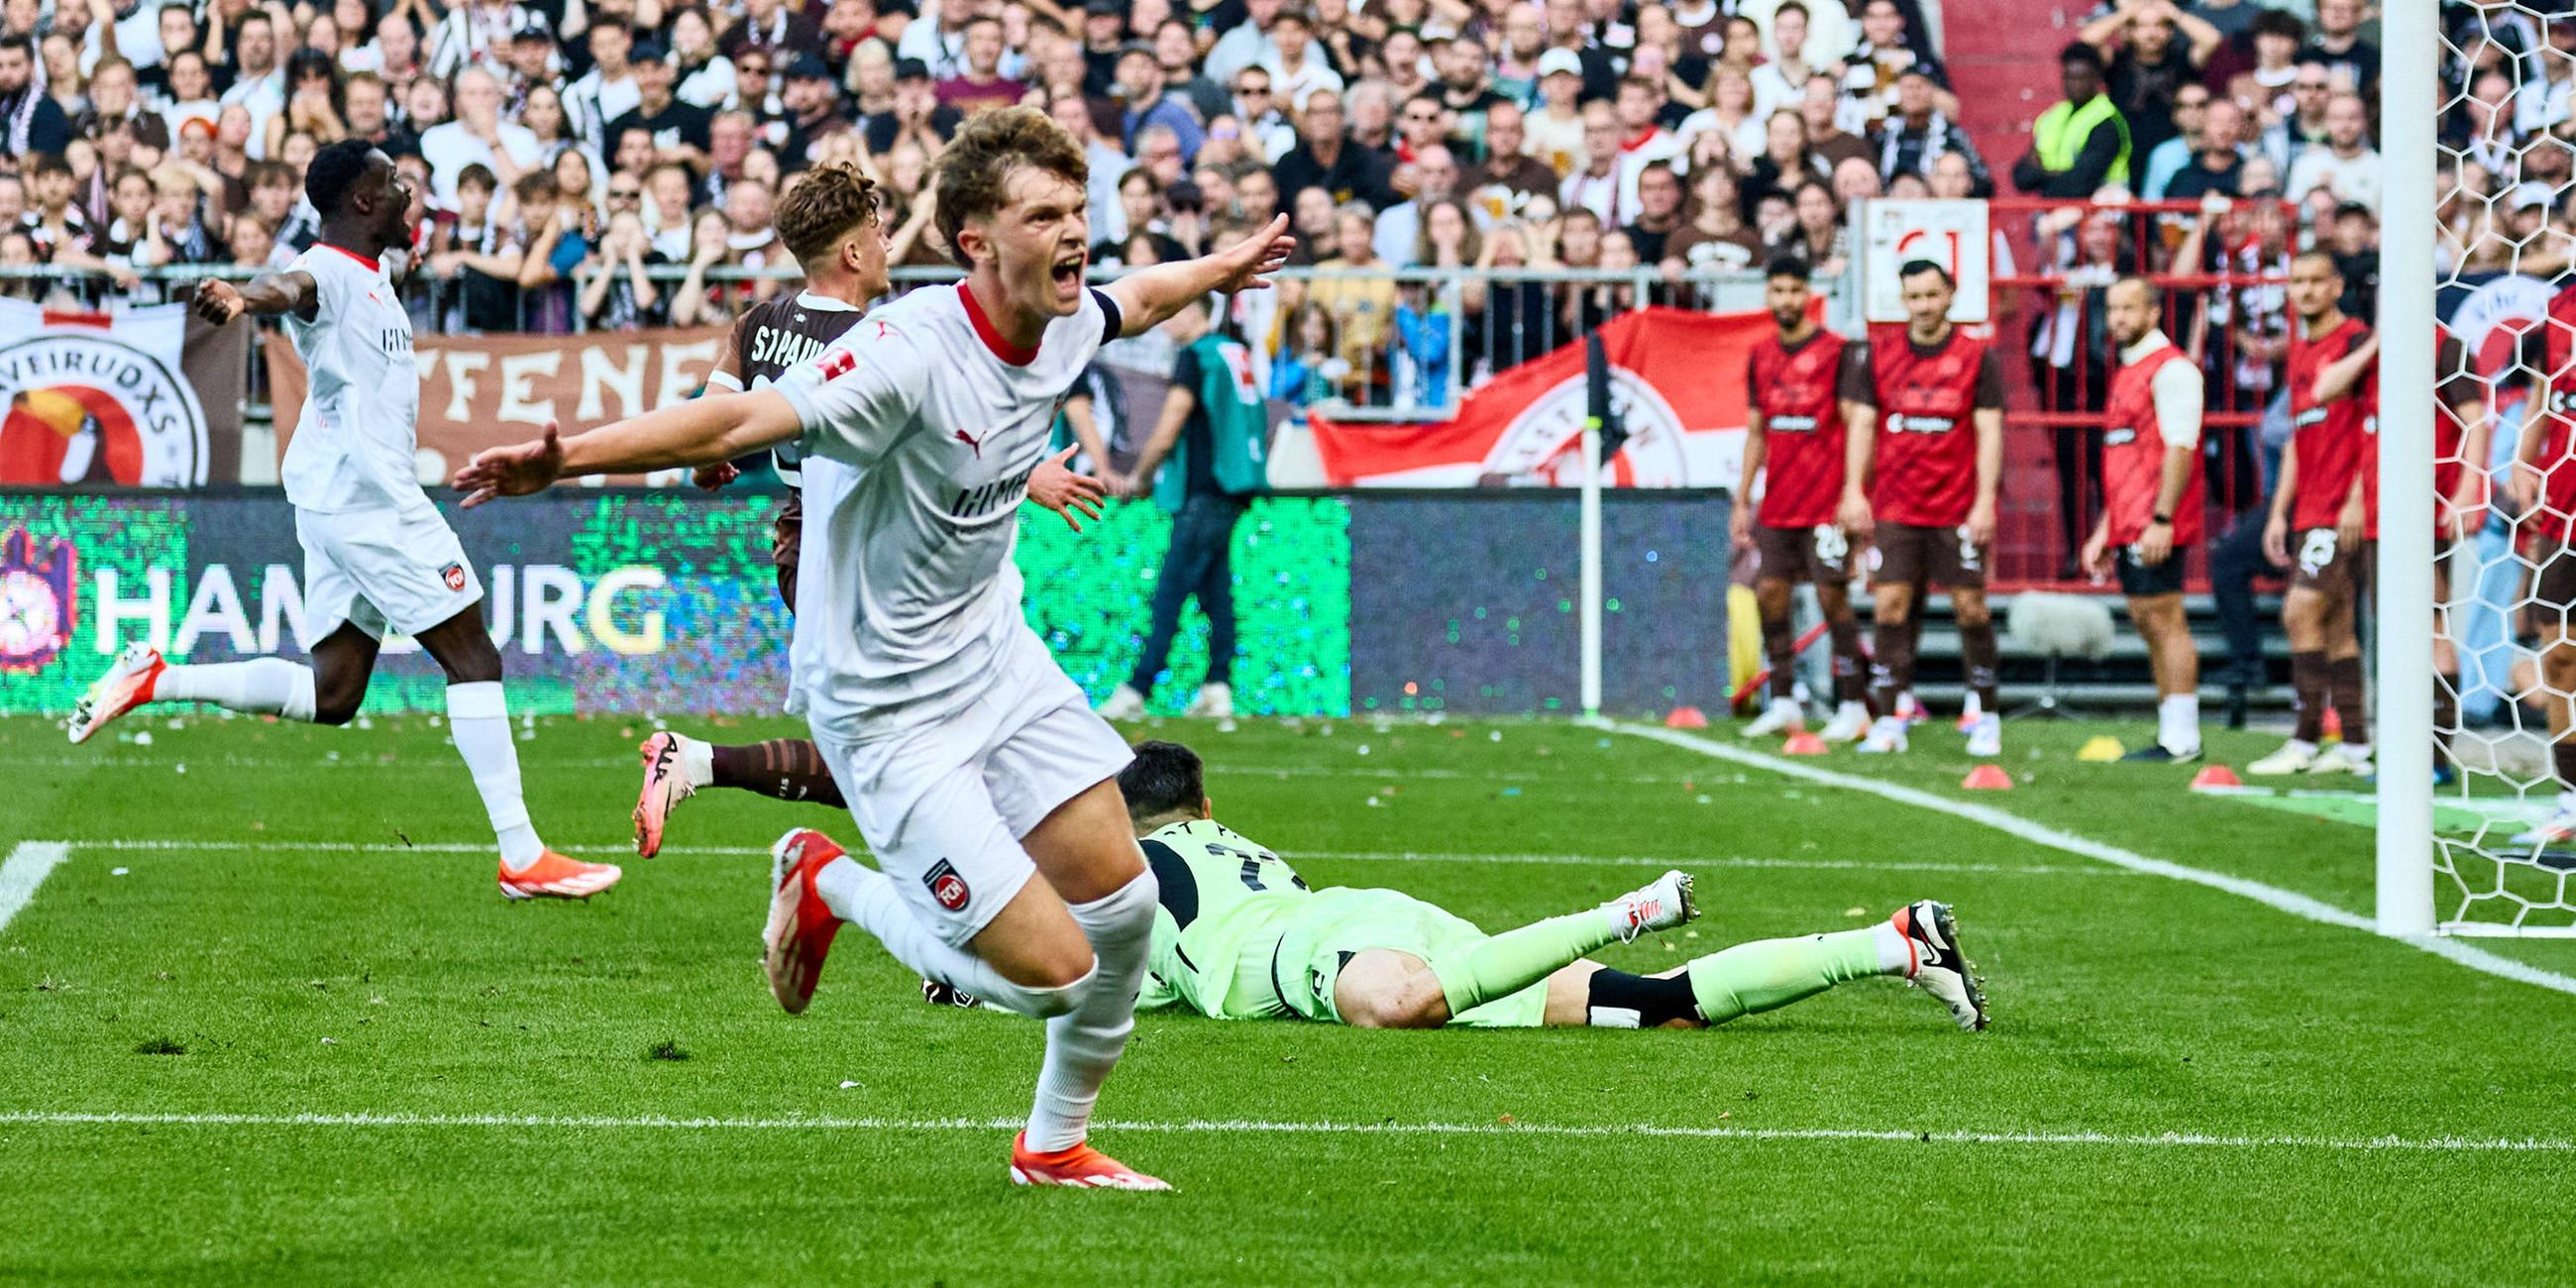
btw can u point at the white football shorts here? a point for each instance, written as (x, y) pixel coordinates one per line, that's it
(373, 568)
(943, 804)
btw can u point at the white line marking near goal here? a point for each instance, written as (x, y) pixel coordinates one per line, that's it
(1338, 856)
(24, 870)
(2158, 1140)
(2270, 896)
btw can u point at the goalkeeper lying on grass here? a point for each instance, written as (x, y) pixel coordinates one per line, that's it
(1240, 936)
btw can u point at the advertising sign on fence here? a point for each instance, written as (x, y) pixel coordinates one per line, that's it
(137, 397)
(1953, 234)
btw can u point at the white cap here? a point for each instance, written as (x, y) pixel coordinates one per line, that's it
(1559, 60)
(2527, 195)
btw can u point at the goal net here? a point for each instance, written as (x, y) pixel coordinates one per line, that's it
(2478, 469)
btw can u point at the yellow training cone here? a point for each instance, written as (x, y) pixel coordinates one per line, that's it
(2102, 747)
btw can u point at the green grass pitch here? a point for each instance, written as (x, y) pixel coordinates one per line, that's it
(269, 1022)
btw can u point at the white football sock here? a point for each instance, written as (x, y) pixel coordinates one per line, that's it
(697, 761)
(262, 686)
(479, 717)
(1083, 1046)
(867, 898)
(2178, 722)
(1894, 954)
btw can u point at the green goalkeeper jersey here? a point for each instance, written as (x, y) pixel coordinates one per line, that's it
(1220, 894)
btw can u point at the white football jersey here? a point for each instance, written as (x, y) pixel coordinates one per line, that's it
(356, 438)
(907, 594)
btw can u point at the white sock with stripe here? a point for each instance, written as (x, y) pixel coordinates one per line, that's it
(479, 717)
(867, 898)
(267, 686)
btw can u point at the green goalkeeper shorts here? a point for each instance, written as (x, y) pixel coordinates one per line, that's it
(1317, 939)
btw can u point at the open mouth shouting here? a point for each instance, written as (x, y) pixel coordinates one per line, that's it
(1067, 272)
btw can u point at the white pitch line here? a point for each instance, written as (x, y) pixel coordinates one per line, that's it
(24, 870)
(1336, 856)
(1241, 1126)
(2270, 896)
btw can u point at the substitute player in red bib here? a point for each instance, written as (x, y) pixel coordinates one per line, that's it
(2152, 502)
(1923, 459)
(982, 781)
(1794, 443)
(2544, 492)
(2323, 521)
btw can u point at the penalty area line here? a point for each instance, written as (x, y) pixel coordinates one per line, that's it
(2271, 896)
(23, 871)
(1243, 1126)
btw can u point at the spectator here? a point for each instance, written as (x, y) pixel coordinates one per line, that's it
(1522, 45)
(1258, 109)
(1556, 122)
(1148, 102)
(1296, 63)
(2278, 83)
(1310, 368)
(1817, 237)
(609, 89)
(312, 102)
(2347, 165)
(1821, 109)
(2338, 42)
(680, 130)
(1420, 360)
(1178, 53)
(1782, 81)
(473, 34)
(112, 99)
(259, 82)
(1730, 114)
(33, 122)
(478, 136)
(53, 222)
(1466, 89)
(618, 291)
(2166, 159)
(667, 189)
(2218, 166)
(1399, 227)
(1883, 54)
(1716, 238)
(1786, 162)
(2080, 144)
(1509, 175)
(191, 96)
(812, 100)
(1916, 132)
(179, 207)
(785, 33)
(2158, 48)
(2352, 236)
(1327, 158)
(706, 77)
(979, 85)
(1659, 211)
(1642, 138)
(1596, 187)
(1354, 287)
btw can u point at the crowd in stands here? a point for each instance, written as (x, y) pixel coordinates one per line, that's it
(590, 162)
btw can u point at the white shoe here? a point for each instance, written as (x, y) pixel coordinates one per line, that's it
(2294, 757)
(1123, 703)
(1939, 968)
(1659, 905)
(2343, 758)
(1784, 715)
(1986, 736)
(1970, 711)
(1215, 702)
(1886, 734)
(127, 685)
(1850, 722)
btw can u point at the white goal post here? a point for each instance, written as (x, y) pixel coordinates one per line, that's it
(2412, 45)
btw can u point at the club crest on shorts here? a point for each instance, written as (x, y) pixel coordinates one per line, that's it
(454, 575)
(946, 886)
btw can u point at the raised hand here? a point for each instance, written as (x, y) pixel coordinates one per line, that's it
(217, 301)
(516, 470)
(1249, 262)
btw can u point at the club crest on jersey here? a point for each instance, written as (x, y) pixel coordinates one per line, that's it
(946, 886)
(454, 575)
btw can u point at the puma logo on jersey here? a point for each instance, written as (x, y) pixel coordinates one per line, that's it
(971, 441)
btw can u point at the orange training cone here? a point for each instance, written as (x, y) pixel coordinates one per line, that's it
(1987, 778)
(2216, 776)
(1686, 718)
(1803, 743)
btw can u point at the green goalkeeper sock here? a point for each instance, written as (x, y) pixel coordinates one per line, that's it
(1771, 973)
(1516, 959)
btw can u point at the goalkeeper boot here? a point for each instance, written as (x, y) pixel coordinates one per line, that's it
(667, 782)
(801, 926)
(553, 876)
(127, 685)
(2344, 758)
(1938, 967)
(1657, 906)
(1850, 723)
(2294, 757)
(1080, 1166)
(1887, 736)
(1784, 715)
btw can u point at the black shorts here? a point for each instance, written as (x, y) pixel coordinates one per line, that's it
(786, 542)
(1821, 554)
(1911, 555)
(2138, 581)
(2319, 562)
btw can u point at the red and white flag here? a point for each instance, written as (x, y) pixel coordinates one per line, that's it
(98, 398)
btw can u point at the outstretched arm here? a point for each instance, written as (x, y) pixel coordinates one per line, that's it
(1147, 297)
(700, 431)
(267, 295)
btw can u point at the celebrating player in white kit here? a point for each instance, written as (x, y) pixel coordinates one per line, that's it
(971, 764)
(376, 552)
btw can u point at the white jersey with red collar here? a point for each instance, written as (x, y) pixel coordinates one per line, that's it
(358, 433)
(907, 596)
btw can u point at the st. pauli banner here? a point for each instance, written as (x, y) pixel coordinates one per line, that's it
(135, 397)
(485, 391)
(1677, 399)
